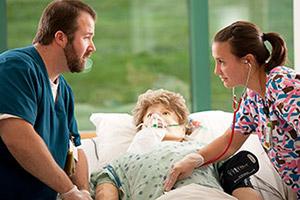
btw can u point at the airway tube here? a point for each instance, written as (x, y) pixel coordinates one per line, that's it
(231, 137)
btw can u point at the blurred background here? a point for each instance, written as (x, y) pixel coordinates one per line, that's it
(144, 44)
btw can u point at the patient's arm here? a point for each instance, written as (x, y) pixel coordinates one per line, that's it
(106, 191)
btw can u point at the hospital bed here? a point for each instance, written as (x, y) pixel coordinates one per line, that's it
(114, 132)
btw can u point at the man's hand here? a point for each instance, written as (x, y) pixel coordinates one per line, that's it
(182, 169)
(75, 194)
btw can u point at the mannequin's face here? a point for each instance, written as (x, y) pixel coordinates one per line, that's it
(165, 113)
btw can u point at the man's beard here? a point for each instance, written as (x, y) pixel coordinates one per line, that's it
(75, 63)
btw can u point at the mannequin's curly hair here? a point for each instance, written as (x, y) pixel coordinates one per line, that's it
(173, 101)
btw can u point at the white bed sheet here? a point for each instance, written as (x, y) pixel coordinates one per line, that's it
(196, 192)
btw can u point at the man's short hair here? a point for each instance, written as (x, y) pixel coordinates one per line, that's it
(60, 15)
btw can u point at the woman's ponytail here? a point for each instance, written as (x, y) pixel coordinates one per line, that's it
(279, 50)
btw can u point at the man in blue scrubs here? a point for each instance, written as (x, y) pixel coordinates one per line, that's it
(37, 107)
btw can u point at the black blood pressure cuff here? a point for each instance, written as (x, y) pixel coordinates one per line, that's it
(235, 172)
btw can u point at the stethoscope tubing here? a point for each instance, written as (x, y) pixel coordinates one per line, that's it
(231, 135)
(235, 110)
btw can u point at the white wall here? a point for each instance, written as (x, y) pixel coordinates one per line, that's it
(297, 35)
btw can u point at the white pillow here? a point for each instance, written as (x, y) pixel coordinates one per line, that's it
(213, 124)
(115, 132)
(113, 123)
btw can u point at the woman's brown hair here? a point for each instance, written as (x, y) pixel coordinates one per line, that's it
(246, 38)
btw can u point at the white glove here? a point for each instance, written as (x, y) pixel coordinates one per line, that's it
(183, 169)
(86, 193)
(75, 194)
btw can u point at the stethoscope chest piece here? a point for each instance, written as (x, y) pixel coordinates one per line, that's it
(268, 136)
(267, 144)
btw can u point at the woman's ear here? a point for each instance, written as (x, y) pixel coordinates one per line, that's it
(248, 59)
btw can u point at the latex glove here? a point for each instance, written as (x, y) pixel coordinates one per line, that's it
(75, 194)
(87, 194)
(183, 169)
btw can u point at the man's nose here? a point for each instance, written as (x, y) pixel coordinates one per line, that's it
(92, 47)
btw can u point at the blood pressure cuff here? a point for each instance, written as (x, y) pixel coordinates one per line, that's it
(235, 172)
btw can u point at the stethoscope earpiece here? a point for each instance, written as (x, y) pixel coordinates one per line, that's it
(249, 65)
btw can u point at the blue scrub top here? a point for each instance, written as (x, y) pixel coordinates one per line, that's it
(25, 92)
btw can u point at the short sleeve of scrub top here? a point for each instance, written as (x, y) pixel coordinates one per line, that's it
(283, 93)
(18, 91)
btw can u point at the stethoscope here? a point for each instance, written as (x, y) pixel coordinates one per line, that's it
(235, 106)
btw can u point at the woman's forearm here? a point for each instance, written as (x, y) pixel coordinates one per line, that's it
(217, 147)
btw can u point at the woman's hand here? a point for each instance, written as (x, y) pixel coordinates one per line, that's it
(183, 169)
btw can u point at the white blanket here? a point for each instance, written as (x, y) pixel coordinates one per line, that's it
(196, 192)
